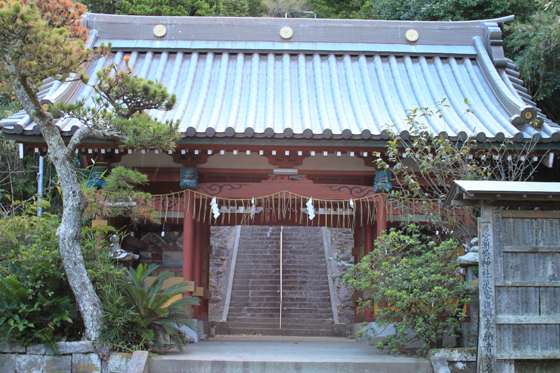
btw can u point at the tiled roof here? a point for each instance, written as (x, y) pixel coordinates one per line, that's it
(320, 88)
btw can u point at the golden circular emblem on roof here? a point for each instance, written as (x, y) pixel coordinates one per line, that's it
(411, 35)
(286, 32)
(160, 31)
(528, 115)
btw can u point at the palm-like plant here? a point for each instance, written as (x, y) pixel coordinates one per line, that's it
(157, 319)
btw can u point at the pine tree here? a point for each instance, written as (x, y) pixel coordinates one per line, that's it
(44, 39)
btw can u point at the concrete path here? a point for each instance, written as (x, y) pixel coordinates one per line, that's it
(249, 354)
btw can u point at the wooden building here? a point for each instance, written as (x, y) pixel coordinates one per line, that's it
(519, 272)
(281, 116)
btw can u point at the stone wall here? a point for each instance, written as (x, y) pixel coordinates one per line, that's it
(341, 243)
(222, 241)
(72, 357)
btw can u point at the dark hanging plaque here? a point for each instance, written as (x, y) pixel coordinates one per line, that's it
(189, 178)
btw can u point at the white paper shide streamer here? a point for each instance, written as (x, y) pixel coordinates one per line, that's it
(215, 209)
(310, 208)
(253, 208)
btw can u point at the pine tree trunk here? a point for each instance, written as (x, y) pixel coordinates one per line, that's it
(69, 235)
(74, 203)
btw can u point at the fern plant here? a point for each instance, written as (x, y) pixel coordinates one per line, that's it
(148, 311)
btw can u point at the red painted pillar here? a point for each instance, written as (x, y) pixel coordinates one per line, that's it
(356, 255)
(188, 240)
(198, 236)
(207, 248)
(368, 239)
(368, 247)
(381, 214)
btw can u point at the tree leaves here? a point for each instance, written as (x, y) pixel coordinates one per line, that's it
(411, 278)
(535, 47)
(40, 48)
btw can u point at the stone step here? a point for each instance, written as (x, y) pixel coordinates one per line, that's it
(287, 291)
(299, 296)
(286, 277)
(286, 269)
(273, 255)
(251, 303)
(250, 248)
(286, 272)
(265, 259)
(291, 332)
(254, 279)
(285, 266)
(276, 320)
(255, 302)
(334, 357)
(269, 255)
(275, 311)
(288, 283)
(246, 282)
(285, 325)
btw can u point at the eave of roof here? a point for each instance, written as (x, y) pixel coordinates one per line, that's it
(471, 191)
(339, 79)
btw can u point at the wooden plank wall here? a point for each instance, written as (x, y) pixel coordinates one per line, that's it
(526, 263)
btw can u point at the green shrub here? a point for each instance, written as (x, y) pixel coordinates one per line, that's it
(414, 287)
(136, 315)
(30, 320)
(36, 302)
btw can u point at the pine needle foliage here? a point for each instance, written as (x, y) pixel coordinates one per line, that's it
(62, 13)
(128, 94)
(32, 46)
(120, 110)
(120, 197)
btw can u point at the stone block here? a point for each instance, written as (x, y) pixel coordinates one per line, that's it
(86, 363)
(37, 350)
(64, 348)
(30, 364)
(454, 354)
(118, 363)
(10, 348)
(191, 335)
(58, 364)
(340, 330)
(80, 347)
(139, 362)
(221, 327)
(439, 364)
(8, 363)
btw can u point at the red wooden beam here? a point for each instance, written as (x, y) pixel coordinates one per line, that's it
(317, 191)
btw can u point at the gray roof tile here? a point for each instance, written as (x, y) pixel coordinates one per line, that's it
(319, 89)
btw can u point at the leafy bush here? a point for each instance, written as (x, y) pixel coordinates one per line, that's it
(36, 302)
(30, 320)
(414, 288)
(136, 315)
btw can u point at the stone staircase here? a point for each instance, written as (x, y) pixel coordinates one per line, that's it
(255, 300)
